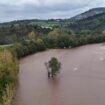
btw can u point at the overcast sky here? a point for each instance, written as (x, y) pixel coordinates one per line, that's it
(44, 9)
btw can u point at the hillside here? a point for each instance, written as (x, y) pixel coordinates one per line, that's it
(89, 13)
(90, 25)
(19, 30)
(92, 22)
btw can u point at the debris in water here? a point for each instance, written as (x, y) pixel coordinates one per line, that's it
(101, 59)
(75, 69)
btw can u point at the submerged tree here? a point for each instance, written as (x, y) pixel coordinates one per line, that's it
(53, 67)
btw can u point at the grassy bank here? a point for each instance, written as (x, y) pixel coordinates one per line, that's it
(8, 74)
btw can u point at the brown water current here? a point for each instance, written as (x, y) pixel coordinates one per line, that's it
(80, 82)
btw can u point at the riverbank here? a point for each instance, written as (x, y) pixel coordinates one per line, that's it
(8, 75)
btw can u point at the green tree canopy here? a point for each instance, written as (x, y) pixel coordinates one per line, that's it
(32, 36)
(55, 65)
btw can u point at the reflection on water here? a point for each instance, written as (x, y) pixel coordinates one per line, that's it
(81, 81)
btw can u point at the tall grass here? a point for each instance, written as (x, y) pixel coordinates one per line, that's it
(8, 75)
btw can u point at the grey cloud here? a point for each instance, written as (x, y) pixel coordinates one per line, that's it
(43, 11)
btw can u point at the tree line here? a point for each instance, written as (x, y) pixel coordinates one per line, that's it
(54, 39)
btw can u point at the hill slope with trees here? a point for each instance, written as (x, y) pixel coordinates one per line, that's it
(11, 32)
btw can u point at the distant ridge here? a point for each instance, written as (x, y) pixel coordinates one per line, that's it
(89, 13)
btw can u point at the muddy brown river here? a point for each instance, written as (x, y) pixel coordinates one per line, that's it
(80, 82)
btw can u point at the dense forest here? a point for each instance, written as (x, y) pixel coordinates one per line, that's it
(94, 25)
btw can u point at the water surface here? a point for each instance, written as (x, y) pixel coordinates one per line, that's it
(81, 81)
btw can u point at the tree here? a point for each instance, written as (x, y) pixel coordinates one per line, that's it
(32, 36)
(54, 65)
(40, 44)
(52, 37)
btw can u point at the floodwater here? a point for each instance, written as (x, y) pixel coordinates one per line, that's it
(80, 82)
